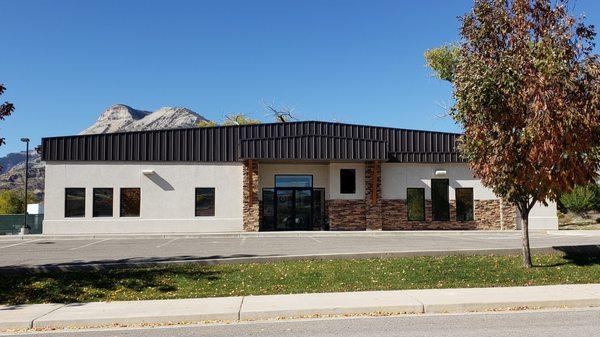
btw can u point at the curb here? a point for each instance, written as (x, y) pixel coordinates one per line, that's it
(237, 309)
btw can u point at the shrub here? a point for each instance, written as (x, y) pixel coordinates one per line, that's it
(11, 201)
(582, 199)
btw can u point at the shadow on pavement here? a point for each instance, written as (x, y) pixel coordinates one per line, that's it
(586, 255)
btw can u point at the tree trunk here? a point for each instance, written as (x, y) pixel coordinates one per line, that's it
(525, 232)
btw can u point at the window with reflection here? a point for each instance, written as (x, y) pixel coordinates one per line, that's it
(464, 204)
(74, 202)
(293, 180)
(205, 201)
(130, 202)
(415, 204)
(440, 199)
(103, 202)
(268, 209)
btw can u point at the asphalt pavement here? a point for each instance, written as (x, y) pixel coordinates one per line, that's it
(42, 252)
(564, 323)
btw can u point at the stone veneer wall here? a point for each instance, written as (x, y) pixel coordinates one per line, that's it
(346, 215)
(251, 211)
(373, 211)
(486, 216)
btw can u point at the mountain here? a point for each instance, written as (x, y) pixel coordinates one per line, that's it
(117, 118)
(11, 159)
(14, 177)
(120, 118)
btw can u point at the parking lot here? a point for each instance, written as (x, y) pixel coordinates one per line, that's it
(56, 252)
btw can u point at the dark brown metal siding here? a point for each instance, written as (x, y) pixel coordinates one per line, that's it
(312, 148)
(296, 140)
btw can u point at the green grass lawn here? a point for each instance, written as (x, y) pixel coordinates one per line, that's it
(186, 281)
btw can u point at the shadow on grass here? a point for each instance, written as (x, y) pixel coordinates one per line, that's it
(586, 255)
(77, 286)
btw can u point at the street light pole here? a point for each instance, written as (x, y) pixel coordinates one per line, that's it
(25, 228)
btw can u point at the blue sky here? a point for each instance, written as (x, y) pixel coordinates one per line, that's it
(64, 62)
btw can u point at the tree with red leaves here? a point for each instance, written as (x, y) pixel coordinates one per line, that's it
(5, 110)
(527, 93)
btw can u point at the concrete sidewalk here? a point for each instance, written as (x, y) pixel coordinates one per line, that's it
(233, 309)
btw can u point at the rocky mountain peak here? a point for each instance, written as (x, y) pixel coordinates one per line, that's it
(122, 118)
(167, 118)
(115, 119)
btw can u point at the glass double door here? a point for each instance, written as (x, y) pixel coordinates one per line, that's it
(292, 209)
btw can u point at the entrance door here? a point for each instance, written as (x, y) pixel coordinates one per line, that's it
(293, 205)
(284, 209)
(293, 208)
(303, 209)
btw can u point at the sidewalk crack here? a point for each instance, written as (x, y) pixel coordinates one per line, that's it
(239, 318)
(45, 314)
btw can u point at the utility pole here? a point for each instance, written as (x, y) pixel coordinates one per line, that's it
(25, 228)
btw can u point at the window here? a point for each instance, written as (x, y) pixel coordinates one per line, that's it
(415, 203)
(103, 202)
(130, 202)
(268, 209)
(464, 204)
(440, 203)
(74, 202)
(293, 180)
(205, 201)
(347, 181)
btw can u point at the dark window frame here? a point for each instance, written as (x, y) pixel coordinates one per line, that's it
(353, 187)
(445, 209)
(458, 208)
(214, 202)
(408, 215)
(312, 180)
(66, 202)
(139, 214)
(112, 201)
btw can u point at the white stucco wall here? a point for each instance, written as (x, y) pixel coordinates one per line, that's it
(542, 217)
(397, 177)
(334, 181)
(267, 172)
(167, 198)
(325, 175)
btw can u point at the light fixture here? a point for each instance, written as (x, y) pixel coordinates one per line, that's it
(148, 172)
(440, 172)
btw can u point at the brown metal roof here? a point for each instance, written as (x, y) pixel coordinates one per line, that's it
(307, 140)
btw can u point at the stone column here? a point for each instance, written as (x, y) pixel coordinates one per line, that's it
(373, 195)
(250, 195)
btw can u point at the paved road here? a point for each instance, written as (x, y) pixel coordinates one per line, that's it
(56, 252)
(563, 323)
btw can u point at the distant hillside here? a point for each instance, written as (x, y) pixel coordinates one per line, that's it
(117, 118)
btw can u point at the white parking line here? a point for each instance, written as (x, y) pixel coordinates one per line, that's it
(20, 243)
(89, 244)
(166, 243)
(315, 240)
